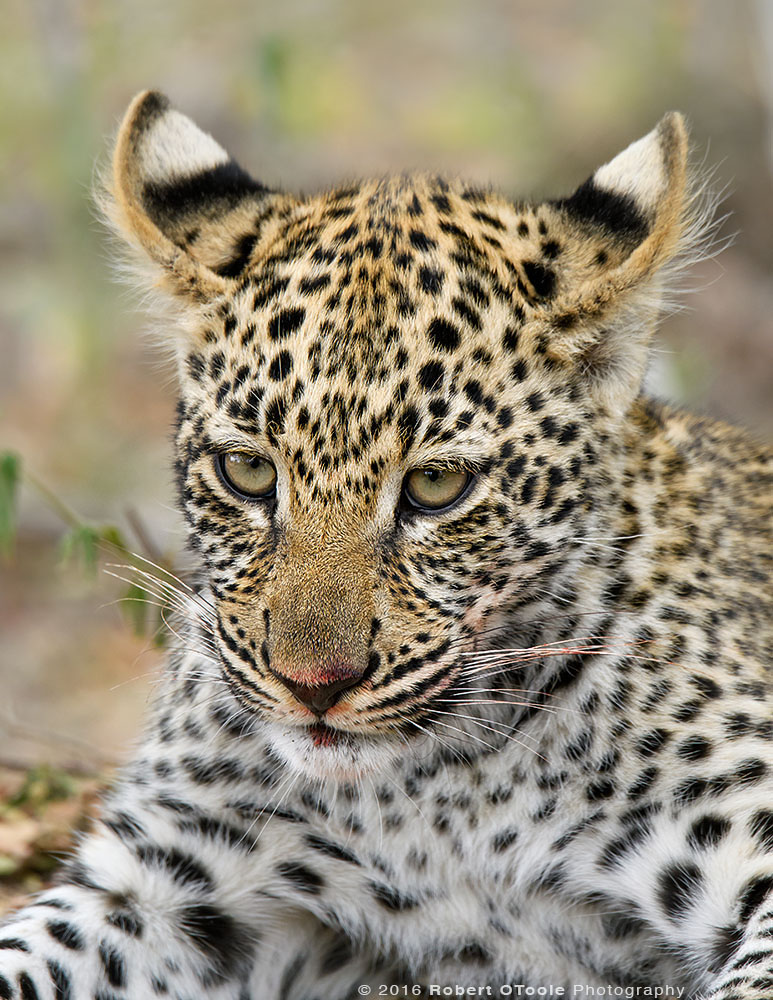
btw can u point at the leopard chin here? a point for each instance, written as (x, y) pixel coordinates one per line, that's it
(324, 753)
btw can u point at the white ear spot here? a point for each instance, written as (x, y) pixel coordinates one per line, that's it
(639, 171)
(174, 147)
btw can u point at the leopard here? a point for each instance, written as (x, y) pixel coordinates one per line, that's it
(469, 692)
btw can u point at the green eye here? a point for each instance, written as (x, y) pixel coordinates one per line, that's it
(247, 475)
(432, 488)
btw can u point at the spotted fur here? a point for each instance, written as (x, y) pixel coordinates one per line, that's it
(522, 738)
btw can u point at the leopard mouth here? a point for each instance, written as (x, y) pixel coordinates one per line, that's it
(323, 735)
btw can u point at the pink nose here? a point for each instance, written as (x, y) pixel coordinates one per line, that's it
(318, 697)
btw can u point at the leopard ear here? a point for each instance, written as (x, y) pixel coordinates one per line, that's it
(179, 198)
(626, 223)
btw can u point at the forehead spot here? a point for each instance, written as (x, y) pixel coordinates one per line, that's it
(420, 240)
(430, 280)
(431, 376)
(285, 322)
(443, 335)
(281, 366)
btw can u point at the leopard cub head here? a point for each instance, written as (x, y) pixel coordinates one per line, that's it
(398, 400)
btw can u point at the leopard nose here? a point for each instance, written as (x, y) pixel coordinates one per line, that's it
(318, 697)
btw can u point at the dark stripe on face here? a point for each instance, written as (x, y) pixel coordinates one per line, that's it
(245, 683)
(413, 691)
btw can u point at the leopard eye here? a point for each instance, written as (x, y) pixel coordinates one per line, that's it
(247, 475)
(432, 488)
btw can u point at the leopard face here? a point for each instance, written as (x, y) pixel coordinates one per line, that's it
(401, 403)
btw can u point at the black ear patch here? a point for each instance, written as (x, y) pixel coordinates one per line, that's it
(208, 192)
(615, 212)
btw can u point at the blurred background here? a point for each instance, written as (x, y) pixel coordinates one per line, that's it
(529, 96)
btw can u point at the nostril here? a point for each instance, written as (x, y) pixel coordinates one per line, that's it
(318, 697)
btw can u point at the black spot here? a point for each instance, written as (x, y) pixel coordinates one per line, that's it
(535, 401)
(615, 212)
(182, 867)
(125, 921)
(66, 934)
(761, 826)
(431, 376)
(750, 771)
(619, 926)
(61, 981)
(217, 935)
(519, 371)
(420, 240)
(241, 257)
(216, 365)
(502, 840)
(754, 893)
(527, 489)
(488, 220)
(516, 466)
(541, 278)
(195, 365)
(285, 322)
(602, 789)
(616, 850)
(465, 311)
(510, 339)
(707, 687)
(443, 335)
(275, 417)
(27, 988)
(113, 964)
(281, 366)
(13, 944)
(678, 884)
(302, 877)
(414, 208)
(348, 234)
(651, 742)
(430, 280)
(474, 953)
(310, 285)
(408, 424)
(690, 790)
(694, 748)
(441, 203)
(391, 899)
(330, 848)
(473, 391)
(707, 831)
